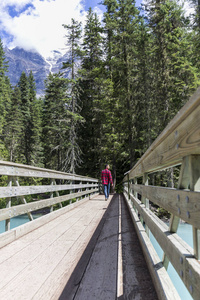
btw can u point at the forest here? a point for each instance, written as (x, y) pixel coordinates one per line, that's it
(129, 75)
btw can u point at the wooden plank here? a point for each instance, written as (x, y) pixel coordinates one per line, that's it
(61, 246)
(17, 170)
(66, 277)
(179, 253)
(13, 234)
(180, 138)
(163, 284)
(17, 210)
(17, 191)
(181, 203)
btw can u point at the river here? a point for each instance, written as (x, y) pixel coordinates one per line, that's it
(185, 232)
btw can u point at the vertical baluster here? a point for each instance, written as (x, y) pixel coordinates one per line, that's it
(8, 204)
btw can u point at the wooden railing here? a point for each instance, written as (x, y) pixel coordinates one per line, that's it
(178, 144)
(73, 188)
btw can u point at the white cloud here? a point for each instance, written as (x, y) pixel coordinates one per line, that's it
(40, 26)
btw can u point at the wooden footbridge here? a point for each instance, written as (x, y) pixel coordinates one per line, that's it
(88, 248)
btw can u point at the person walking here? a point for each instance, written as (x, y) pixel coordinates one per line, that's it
(106, 178)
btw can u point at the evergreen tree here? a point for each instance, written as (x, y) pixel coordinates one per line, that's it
(73, 41)
(25, 108)
(174, 76)
(31, 108)
(13, 127)
(35, 124)
(5, 92)
(121, 25)
(92, 87)
(56, 122)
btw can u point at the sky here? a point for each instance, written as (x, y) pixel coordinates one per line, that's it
(36, 25)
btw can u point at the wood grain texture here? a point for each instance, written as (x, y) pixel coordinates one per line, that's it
(19, 170)
(35, 265)
(179, 253)
(163, 284)
(16, 191)
(184, 204)
(21, 209)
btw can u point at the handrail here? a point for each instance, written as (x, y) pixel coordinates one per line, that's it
(72, 186)
(178, 144)
(179, 139)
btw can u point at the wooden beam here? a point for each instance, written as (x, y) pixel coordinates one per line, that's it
(21, 209)
(38, 189)
(162, 282)
(19, 170)
(184, 204)
(179, 253)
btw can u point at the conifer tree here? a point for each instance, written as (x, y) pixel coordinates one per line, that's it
(5, 92)
(31, 149)
(73, 41)
(121, 25)
(93, 88)
(56, 122)
(174, 76)
(25, 108)
(35, 124)
(13, 127)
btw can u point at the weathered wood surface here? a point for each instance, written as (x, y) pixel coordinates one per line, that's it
(184, 204)
(180, 138)
(21, 209)
(15, 170)
(180, 254)
(61, 256)
(98, 276)
(163, 284)
(16, 191)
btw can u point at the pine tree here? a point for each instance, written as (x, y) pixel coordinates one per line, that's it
(73, 41)
(36, 156)
(93, 88)
(13, 127)
(56, 122)
(174, 76)
(25, 108)
(121, 25)
(5, 93)
(31, 108)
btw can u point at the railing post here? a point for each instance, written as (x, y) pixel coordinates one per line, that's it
(128, 187)
(135, 194)
(8, 204)
(51, 196)
(144, 199)
(189, 179)
(23, 200)
(194, 171)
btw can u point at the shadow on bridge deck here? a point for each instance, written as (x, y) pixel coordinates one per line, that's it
(60, 260)
(112, 265)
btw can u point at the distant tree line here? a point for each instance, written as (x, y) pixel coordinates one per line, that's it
(129, 75)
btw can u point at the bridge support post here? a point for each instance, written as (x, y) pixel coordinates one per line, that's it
(144, 199)
(135, 194)
(8, 204)
(189, 179)
(23, 200)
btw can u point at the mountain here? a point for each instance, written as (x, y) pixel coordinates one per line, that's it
(20, 60)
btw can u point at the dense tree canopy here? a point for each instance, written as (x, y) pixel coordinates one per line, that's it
(127, 77)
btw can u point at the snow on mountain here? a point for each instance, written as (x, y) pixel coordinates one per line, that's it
(20, 60)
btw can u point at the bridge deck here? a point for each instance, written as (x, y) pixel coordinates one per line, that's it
(60, 260)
